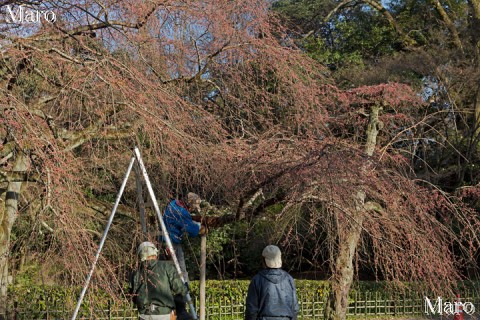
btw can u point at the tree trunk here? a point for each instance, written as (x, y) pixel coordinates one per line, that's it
(8, 215)
(449, 23)
(476, 134)
(343, 273)
(349, 234)
(475, 6)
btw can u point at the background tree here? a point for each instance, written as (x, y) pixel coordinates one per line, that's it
(365, 43)
(426, 44)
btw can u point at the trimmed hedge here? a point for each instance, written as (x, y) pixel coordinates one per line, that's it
(44, 297)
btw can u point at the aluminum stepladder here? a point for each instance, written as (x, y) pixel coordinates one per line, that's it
(136, 157)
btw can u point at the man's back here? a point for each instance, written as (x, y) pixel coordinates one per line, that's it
(154, 284)
(271, 294)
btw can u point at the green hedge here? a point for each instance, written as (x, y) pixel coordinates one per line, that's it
(48, 297)
(44, 297)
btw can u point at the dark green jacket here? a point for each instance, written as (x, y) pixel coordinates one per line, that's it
(153, 286)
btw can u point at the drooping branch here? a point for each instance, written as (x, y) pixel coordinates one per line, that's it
(111, 23)
(17, 176)
(206, 63)
(251, 194)
(7, 150)
(112, 133)
(19, 2)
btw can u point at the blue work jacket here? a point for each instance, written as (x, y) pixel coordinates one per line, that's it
(178, 221)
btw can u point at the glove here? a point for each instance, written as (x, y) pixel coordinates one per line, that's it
(167, 254)
(203, 230)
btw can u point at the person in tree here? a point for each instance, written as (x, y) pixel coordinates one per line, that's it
(271, 293)
(154, 284)
(178, 221)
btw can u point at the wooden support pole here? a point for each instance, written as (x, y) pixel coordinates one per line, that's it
(203, 263)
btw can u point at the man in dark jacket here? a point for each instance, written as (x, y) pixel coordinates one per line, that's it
(272, 294)
(154, 285)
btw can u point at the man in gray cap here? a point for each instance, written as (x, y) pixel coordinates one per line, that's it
(271, 293)
(154, 285)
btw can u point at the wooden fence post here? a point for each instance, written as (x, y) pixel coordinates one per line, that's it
(365, 309)
(15, 308)
(355, 310)
(47, 314)
(302, 307)
(394, 303)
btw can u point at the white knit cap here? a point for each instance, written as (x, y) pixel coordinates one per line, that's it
(273, 256)
(145, 250)
(194, 201)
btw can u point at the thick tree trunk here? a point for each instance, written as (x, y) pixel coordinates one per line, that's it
(8, 215)
(349, 234)
(343, 273)
(449, 23)
(475, 6)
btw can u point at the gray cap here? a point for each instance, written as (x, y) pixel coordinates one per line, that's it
(193, 201)
(273, 256)
(145, 250)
